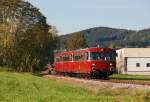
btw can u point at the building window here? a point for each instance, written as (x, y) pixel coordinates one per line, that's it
(147, 64)
(137, 64)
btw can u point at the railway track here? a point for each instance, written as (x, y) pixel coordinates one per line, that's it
(114, 81)
(122, 81)
(110, 80)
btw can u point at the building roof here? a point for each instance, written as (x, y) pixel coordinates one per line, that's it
(135, 52)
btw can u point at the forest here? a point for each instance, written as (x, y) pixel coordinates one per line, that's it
(27, 42)
(112, 37)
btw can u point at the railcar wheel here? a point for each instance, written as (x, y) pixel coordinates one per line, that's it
(95, 75)
(104, 76)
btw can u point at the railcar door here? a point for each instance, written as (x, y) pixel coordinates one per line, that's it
(58, 64)
(66, 63)
(70, 64)
(84, 63)
(76, 65)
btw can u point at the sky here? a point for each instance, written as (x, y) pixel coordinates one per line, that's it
(74, 15)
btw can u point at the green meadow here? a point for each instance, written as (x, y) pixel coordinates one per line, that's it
(26, 87)
(130, 77)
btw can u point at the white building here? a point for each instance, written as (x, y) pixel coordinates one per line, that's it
(133, 61)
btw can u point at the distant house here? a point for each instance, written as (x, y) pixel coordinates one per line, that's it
(133, 61)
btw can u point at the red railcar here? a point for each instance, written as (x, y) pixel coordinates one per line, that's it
(95, 62)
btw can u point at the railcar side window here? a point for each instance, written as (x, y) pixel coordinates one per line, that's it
(57, 59)
(77, 58)
(67, 58)
(80, 57)
(86, 56)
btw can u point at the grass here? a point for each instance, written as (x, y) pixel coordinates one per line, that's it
(25, 87)
(130, 77)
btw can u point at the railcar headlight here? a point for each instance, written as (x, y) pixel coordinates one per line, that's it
(93, 64)
(110, 64)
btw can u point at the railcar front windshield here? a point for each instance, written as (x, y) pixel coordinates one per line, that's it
(103, 56)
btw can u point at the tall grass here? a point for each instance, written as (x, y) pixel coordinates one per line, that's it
(25, 87)
(130, 77)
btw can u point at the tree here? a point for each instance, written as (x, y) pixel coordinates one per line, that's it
(24, 36)
(112, 45)
(76, 41)
(52, 43)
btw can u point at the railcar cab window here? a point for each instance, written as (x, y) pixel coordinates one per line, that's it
(102, 56)
(96, 56)
(110, 56)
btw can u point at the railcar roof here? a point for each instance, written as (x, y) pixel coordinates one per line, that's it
(92, 49)
(64, 53)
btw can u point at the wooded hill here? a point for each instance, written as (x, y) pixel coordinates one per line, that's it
(108, 37)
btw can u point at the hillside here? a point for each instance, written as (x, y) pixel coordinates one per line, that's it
(105, 37)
